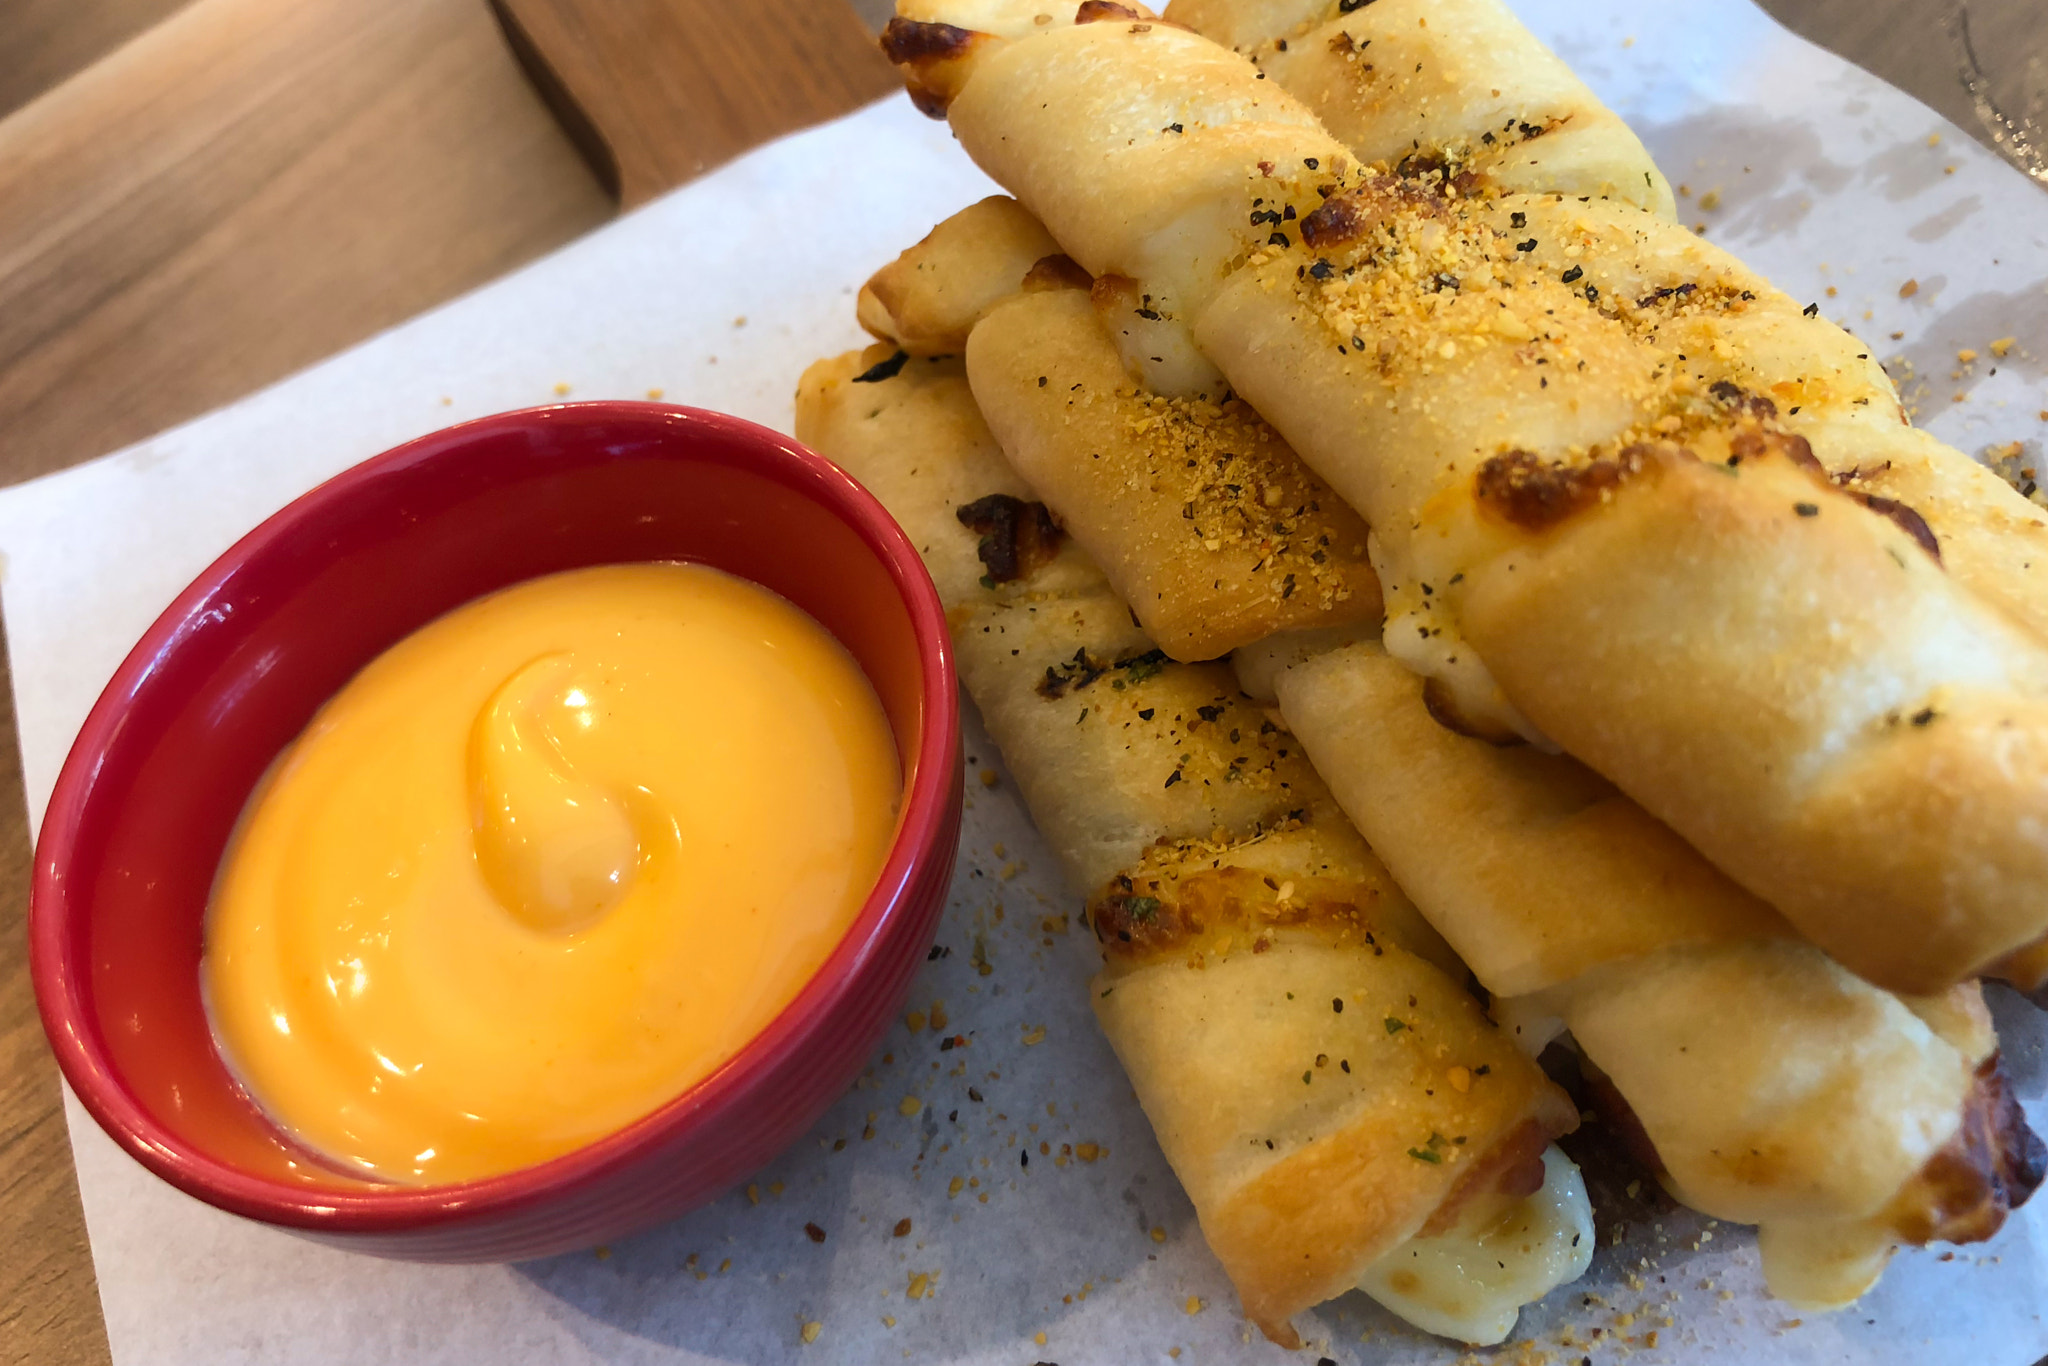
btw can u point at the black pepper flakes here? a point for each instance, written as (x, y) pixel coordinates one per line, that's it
(1807, 509)
(1574, 275)
(1337, 1004)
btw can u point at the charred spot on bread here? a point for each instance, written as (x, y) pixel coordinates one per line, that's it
(1758, 443)
(909, 42)
(1017, 538)
(927, 54)
(1536, 494)
(1348, 215)
(1737, 399)
(1098, 11)
(1055, 272)
(883, 369)
(1070, 675)
(1192, 897)
(1988, 1169)
(1440, 171)
(1903, 517)
(1116, 293)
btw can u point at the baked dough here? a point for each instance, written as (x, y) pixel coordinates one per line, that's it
(1321, 1083)
(1578, 539)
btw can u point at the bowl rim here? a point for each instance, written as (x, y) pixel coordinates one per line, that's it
(62, 982)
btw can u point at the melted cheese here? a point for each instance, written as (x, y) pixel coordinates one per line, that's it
(543, 865)
(1471, 1282)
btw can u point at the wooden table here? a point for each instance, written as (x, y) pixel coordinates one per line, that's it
(198, 197)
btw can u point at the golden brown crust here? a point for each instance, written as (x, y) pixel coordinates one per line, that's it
(1057, 271)
(934, 59)
(930, 297)
(1992, 1165)
(2026, 968)
(1316, 1202)
(1963, 1193)
(1204, 519)
(1100, 11)
(1513, 1169)
(1185, 901)
(1458, 91)
(1536, 494)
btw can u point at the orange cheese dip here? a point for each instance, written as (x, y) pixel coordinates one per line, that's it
(544, 864)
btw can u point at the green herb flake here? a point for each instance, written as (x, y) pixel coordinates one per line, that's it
(1395, 1026)
(1143, 908)
(1424, 1155)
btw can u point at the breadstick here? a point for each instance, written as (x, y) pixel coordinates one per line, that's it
(1418, 87)
(1769, 1086)
(1206, 523)
(1570, 900)
(1322, 1146)
(928, 299)
(1205, 520)
(1602, 559)
(1455, 89)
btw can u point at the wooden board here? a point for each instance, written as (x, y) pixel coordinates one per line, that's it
(653, 102)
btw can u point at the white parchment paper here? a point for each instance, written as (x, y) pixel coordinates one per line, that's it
(1839, 187)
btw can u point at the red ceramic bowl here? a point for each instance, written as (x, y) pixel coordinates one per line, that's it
(240, 662)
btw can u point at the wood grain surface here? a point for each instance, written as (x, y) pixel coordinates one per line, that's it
(199, 196)
(654, 103)
(248, 187)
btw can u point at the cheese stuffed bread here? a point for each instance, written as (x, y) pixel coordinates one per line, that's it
(1579, 536)
(1716, 1035)
(1340, 1111)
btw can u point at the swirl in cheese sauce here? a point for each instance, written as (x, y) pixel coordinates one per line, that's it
(542, 866)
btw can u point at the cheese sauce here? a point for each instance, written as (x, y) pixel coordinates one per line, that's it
(543, 865)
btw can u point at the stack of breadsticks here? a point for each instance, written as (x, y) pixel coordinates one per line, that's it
(1339, 1109)
(1708, 719)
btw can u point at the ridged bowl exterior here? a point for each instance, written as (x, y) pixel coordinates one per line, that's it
(234, 669)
